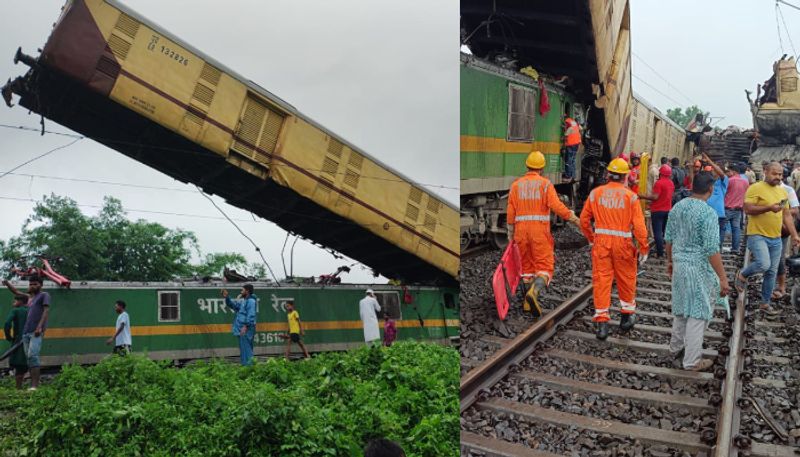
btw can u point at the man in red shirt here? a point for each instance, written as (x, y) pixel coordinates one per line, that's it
(661, 199)
(734, 200)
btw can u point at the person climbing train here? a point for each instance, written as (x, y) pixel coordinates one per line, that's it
(572, 140)
(618, 218)
(531, 198)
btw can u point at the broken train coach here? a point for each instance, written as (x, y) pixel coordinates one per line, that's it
(182, 321)
(501, 123)
(116, 77)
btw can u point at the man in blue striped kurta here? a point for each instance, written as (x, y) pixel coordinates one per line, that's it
(695, 265)
(244, 323)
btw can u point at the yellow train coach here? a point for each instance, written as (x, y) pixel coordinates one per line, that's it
(114, 76)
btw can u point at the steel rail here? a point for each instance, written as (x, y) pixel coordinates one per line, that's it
(495, 368)
(730, 413)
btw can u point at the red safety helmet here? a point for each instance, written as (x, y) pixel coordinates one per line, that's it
(665, 170)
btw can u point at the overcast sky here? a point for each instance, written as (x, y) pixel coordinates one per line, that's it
(383, 75)
(710, 51)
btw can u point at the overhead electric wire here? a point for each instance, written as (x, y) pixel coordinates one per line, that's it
(778, 27)
(128, 210)
(664, 79)
(195, 152)
(39, 157)
(658, 91)
(172, 189)
(258, 249)
(788, 35)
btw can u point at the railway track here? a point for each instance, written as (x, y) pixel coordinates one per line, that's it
(554, 389)
(482, 333)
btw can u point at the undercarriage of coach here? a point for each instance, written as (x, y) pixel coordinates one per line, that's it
(483, 216)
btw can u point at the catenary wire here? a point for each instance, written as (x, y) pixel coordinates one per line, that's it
(39, 157)
(258, 249)
(664, 79)
(189, 151)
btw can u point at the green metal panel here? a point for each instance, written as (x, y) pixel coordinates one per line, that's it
(91, 310)
(484, 113)
(484, 104)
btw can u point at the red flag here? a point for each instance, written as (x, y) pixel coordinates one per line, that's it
(506, 279)
(544, 101)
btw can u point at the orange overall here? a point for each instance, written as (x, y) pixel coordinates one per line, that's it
(616, 212)
(530, 200)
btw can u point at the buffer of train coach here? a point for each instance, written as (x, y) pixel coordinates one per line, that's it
(99, 74)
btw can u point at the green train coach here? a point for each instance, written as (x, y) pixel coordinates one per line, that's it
(500, 125)
(189, 320)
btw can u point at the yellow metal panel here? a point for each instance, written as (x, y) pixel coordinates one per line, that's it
(307, 147)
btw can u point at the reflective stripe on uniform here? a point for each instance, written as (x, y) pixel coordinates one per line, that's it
(620, 233)
(533, 217)
(625, 306)
(601, 312)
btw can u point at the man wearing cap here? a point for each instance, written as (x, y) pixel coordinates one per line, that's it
(618, 218)
(530, 201)
(368, 309)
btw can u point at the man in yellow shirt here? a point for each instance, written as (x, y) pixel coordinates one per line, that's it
(766, 205)
(295, 329)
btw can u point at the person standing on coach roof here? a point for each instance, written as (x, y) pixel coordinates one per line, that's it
(530, 200)
(694, 264)
(368, 309)
(35, 324)
(244, 323)
(766, 202)
(616, 212)
(122, 337)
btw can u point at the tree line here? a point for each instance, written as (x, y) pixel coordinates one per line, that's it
(111, 247)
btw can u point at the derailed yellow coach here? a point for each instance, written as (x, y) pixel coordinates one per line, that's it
(114, 76)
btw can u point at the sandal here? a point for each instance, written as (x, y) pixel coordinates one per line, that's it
(739, 284)
(777, 295)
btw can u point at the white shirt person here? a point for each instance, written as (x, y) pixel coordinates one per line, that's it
(369, 309)
(122, 336)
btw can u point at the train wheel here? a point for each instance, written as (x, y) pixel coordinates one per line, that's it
(499, 240)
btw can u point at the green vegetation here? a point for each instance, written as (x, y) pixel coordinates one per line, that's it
(330, 405)
(110, 247)
(683, 118)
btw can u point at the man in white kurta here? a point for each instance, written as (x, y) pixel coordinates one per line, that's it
(369, 309)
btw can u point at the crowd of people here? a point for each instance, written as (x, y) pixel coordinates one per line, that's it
(26, 324)
(693, 206)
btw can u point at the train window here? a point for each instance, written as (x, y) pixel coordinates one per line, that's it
(390, 304)
(521, 113)
(449, 301)
(169, 309)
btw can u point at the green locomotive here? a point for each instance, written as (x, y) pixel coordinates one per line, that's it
(189, 320)
(501, 123)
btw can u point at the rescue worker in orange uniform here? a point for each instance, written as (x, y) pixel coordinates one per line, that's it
(618, 218)
(530, 200)
(572, 139)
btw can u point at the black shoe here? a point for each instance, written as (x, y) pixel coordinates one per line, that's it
(602, 331)
(626, 322)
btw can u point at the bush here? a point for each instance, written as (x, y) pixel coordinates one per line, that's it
(330, 405)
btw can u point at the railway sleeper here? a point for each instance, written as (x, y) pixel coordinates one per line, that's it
(687, 441)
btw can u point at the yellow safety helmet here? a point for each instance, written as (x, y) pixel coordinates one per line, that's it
(619, 166)
(535, 160)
